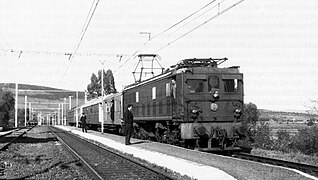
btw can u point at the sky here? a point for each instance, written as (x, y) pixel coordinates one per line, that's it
(275, 43)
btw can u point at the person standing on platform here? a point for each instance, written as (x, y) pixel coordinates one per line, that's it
(83, 121)
(129, 120)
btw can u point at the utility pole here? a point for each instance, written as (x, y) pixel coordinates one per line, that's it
(16, 106)
(39, 118)
(64, 119)
(58, 115)
(25, 110)
(102, 115)
(70, 105)
(30, 113)
(76, 118)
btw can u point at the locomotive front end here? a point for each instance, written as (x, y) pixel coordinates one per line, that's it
(212, 106)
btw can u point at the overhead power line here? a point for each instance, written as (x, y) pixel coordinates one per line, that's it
(84, 29)
(179, 23)
(205, 22)
(20, 52)
(162, 32)
(182, 20)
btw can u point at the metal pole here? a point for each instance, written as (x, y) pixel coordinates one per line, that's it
(25, 109)
(54, 118)
(102, 113)
(30, 114)
(85, 96)
(70, 105)
(76, 111)
(58, 115)
(64, 121)
(16, 106)
(62, 114)
(39, 118)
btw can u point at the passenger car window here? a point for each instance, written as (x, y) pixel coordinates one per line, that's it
(196, 85)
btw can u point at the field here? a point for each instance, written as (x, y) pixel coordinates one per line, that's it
(285, 121)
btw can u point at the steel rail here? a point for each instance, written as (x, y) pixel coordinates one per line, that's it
(127, 158)
(311, 169)
(136, 162)
(14, 139)
(89, 168)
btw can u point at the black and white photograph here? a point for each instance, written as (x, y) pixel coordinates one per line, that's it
(148, 89)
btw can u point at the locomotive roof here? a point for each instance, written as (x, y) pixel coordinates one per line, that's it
(200, 62)
(184, 65)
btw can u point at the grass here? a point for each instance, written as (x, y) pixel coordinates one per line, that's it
(294, 157)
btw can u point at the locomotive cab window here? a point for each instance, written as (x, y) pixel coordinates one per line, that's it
(196, 85)
(231, 83)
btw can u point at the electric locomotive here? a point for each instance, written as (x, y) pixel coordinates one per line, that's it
(195, 104)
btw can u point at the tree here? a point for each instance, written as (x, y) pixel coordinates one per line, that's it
(250, 114)
(250, 118)
(94, 88)
(6, 107)
(109, 82)
(313, 112)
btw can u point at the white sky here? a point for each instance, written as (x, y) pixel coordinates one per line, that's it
(274, 42)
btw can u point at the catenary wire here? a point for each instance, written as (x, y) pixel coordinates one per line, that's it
(179, 22)
(198, 16)
(81, 38)
(164, 31)
(193, 29)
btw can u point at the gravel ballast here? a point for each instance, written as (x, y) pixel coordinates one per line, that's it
(38, 155)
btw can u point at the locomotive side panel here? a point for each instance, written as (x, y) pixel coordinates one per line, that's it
(151, 101)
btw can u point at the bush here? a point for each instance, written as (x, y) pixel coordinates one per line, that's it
(262, 138)
(283, 142)
(306, 141)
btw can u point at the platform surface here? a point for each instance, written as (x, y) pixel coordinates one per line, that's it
(195, 164)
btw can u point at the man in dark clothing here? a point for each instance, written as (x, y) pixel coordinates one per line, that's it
(128, 119)
(83, 120)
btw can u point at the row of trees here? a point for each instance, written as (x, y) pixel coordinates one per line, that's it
(94, 88)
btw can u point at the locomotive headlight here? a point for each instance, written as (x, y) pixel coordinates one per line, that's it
(237, 113)
(216, 94)
(214, 107)
(194, 111)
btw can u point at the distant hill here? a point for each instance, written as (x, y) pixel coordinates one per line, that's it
(43, 97)
(285, 116)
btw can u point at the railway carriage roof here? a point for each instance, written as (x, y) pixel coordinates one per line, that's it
(98, 99)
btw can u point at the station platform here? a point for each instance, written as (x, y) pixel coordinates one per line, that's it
(3, 133)
(195, 164)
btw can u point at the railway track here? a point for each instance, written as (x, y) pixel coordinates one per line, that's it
(12, 137)
(310, 169)
(105, 164)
